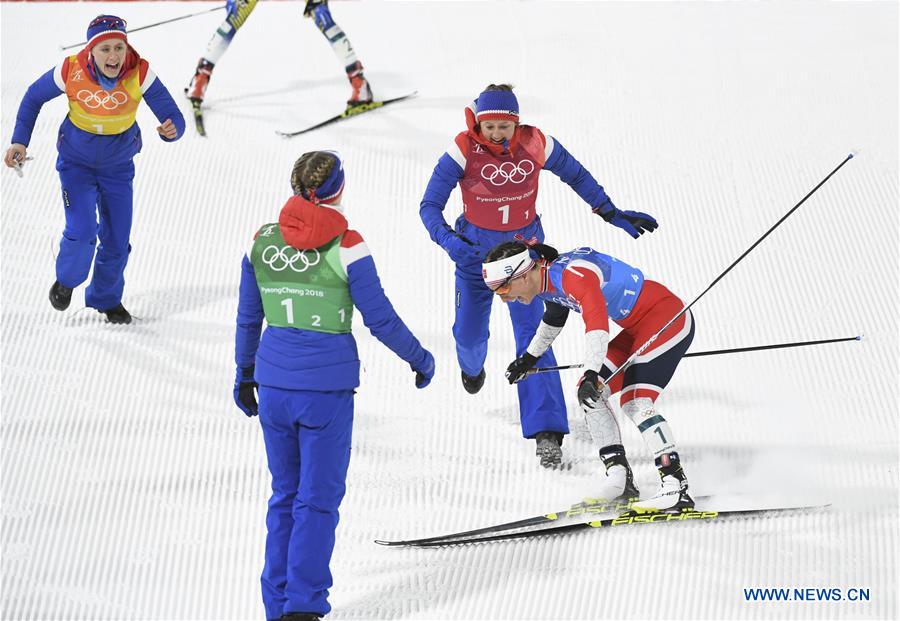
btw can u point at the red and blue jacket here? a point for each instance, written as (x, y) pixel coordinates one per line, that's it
(489, 175)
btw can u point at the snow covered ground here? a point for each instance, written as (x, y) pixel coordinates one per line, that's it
(132, 488)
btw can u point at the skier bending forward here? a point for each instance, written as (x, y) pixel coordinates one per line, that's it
(601, 287)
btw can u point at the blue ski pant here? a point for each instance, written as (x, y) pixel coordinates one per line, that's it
(307, 436)
(87, 193)
(541, 403)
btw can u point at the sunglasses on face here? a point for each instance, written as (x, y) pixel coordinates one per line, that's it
(504, 287)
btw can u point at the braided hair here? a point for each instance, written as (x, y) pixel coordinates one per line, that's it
(311, 171)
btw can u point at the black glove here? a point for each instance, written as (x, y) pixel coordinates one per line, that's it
(518, 368)
(635, 223)
(589, 392)
(244, 391)
(425, 371)
(460, 248)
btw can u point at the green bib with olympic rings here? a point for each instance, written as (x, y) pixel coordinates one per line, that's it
(304, 289)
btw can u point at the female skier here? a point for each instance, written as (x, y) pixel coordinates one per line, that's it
(97, 142)
(603, 288)
(304, 275)
(496, 163)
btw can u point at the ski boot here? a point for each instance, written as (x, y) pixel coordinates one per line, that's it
(117, 314)
(673, 496)
(60, 296)
(549, 448)
(473, 383)
(362, 93)
(617, 484)
(301, 616)
(196, 90)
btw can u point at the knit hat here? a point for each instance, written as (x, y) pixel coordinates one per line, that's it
(105, 27)
(497, 106)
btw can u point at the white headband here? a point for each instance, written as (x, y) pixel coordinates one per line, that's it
(507, 268)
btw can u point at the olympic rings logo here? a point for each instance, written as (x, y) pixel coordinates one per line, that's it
(279, 259)
(507, 171)
(104, 99)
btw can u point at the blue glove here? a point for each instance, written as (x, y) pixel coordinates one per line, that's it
(244, 391)
(635, 223)
(461, 249)
(424, 370)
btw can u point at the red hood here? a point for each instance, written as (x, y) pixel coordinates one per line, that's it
(496, 149)
(132, 60)
(305, 225)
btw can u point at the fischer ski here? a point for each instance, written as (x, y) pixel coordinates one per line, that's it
(627, 519)
(577, 513)
(198, 117)
(351, 111)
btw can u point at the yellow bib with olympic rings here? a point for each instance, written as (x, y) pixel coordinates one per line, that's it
(94, 109)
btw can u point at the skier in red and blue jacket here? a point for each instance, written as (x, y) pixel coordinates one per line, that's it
(603, 288)
(496, 163)
(97, 142)
(304, 275)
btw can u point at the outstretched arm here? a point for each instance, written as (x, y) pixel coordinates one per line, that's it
(378, 313)
(45, 88)
(564, 165)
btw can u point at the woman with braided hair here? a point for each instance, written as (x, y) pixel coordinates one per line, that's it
(602, 288)
(496, 164)
(304, 275)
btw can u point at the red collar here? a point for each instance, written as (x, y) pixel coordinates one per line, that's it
(474, 134)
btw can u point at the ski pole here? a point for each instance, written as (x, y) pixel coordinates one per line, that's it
(167, 21)
(653, 338)
(716, 352)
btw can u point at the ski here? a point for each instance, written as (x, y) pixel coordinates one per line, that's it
(577, 513)
(351, 111)
(198, 117)
(626, 519)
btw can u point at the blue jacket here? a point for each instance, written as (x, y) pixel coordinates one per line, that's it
(81, 147)
(296, 359)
